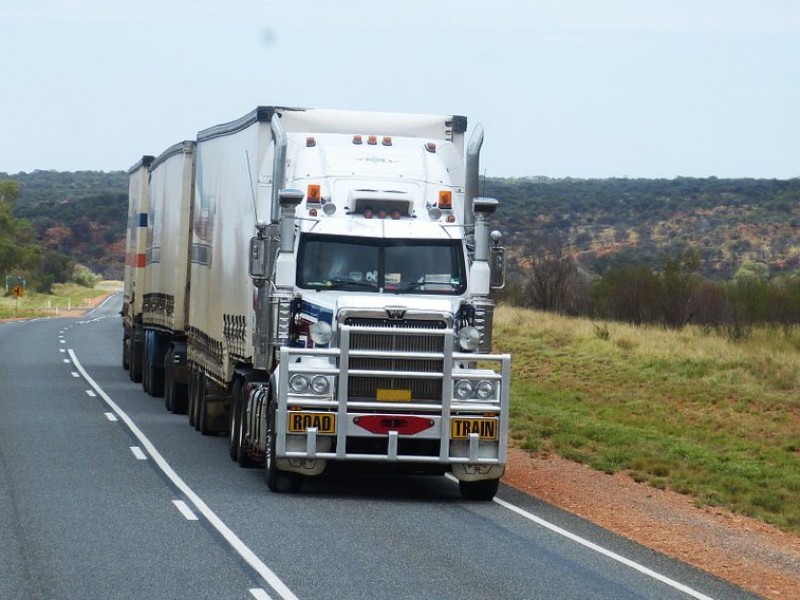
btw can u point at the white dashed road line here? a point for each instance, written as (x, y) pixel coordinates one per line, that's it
(244, 551)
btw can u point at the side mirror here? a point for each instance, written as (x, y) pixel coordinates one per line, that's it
(497, 262)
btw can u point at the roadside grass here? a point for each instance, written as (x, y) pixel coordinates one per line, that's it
(64, 297)
(684, 410)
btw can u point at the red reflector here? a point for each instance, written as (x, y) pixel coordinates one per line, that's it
(383, 424)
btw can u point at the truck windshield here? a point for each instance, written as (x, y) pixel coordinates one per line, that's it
(381, 265)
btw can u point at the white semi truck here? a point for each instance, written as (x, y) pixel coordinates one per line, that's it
(325, 296)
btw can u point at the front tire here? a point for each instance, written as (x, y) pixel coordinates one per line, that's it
(483, 490)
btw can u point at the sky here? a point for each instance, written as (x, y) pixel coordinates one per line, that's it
(563, 88)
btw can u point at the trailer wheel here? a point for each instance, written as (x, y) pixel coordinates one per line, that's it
(155, 380)
(145, 369)
(135, 360)
(200, 402)
(174, 393)
(277, 481)
(125, 361)
(192, 396)
(479, 490)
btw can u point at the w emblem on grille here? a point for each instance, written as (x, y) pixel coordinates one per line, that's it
(395, 312)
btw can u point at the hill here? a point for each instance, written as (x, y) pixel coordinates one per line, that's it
(81, 214)
(618, 222)
(606, 222)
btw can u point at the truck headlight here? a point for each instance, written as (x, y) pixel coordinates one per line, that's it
(469, 338)
(298, 383)
(464, 389)
(485, 390)
(320, 385)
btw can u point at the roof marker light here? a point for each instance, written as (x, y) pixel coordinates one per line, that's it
(387, 141)
(313, 195)
(445, 199)
(395, 215)
(372, 140)
(381, 214)
(430, 147)
(368, 213)
(357, 140)
(310, 141)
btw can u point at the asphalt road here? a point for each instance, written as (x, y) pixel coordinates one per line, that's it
(104, 494)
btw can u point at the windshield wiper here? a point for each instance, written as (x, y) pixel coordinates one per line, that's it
(335, 283)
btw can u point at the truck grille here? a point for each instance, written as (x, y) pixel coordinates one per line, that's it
(421, 389)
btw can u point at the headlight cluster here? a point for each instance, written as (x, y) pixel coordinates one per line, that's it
(308, 384)
(468, 389)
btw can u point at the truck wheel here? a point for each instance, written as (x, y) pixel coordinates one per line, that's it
(136, 361)
(168, 385)
(125, 361)
(155, 379)
(200, 402)
(479, 490)
(146, 370)
(235, 433)
(277, 481)
(192, 396)
(174, 393)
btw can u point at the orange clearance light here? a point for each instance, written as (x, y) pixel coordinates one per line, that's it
(357, 139)
(430, 147)
(387, 141)
(313, 195)
(445, 199)
(372, 140)
(310, 142)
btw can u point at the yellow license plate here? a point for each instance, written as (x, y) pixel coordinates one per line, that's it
(300, 422)
(461, 427)
(385, 395)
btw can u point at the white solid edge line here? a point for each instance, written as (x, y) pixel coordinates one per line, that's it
(185, 510)
(612, 555)
(248, 555)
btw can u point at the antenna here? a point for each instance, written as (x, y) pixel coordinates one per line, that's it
(252, 189)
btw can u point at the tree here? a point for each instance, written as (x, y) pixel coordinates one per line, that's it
(549, 272)
(678, 281)
(19, 250)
